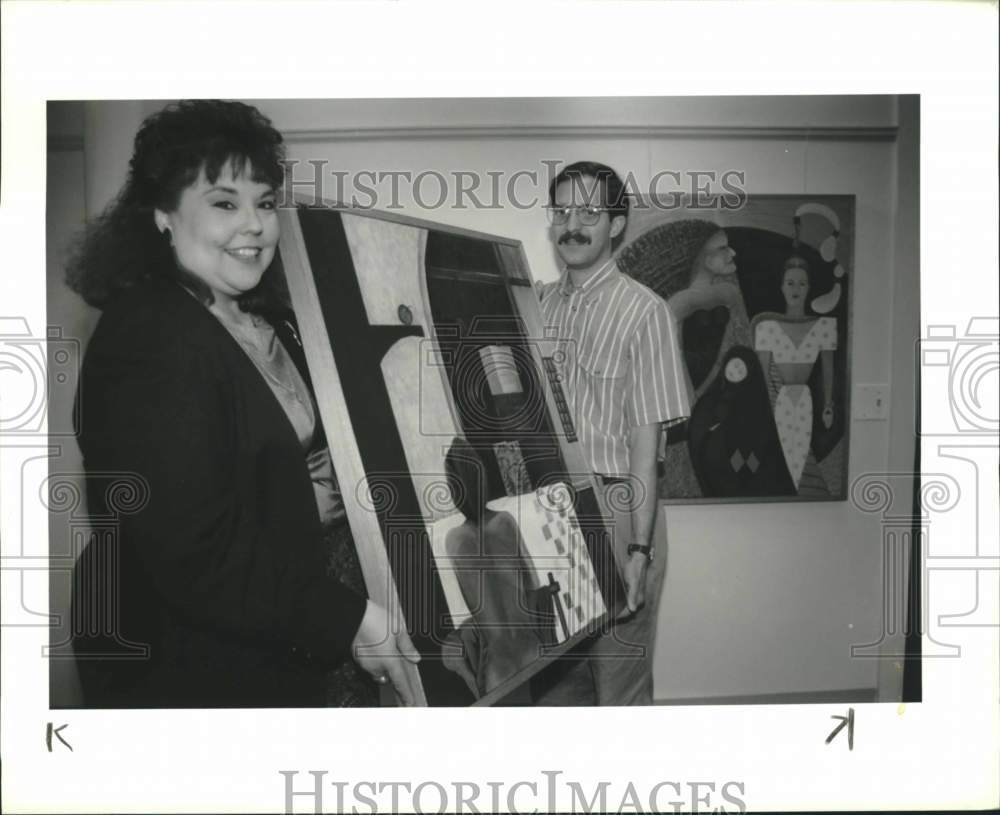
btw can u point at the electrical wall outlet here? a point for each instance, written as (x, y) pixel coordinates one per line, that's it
(870, 403)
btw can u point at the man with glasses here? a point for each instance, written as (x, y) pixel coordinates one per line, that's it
(620, 366)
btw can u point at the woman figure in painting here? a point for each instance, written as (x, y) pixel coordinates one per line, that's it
(487, 553)
(788, 346)
(690, 264)
(194, 385)
(734, 443)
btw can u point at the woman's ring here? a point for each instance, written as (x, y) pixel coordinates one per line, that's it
(381, 678)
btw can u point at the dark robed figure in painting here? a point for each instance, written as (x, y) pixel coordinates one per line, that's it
(690, 264)
(733, 441)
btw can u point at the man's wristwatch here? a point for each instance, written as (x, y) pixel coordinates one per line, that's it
(646, 550)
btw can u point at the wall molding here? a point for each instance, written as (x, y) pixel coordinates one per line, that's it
(62, 143)
(326, 134)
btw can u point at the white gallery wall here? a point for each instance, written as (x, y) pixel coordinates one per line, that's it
(761, 601)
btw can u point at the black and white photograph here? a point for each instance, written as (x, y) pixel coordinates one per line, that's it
(482, 445)
(341, 409)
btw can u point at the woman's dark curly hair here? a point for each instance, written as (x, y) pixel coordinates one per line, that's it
(123, 247)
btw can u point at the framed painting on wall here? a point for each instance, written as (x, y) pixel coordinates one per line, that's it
(762, 296)
(473, 514)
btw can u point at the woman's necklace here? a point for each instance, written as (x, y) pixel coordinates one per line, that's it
(256, 336)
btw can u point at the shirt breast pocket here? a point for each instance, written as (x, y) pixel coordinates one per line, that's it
(603, 364)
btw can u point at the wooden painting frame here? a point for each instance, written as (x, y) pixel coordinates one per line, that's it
(384, 241)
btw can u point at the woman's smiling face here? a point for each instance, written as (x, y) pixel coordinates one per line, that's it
(224, 232)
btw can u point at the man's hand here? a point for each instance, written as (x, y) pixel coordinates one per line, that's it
(381, 650)
(635, 584)
(643, 445)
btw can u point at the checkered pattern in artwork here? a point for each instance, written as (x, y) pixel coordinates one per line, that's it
(559, 555)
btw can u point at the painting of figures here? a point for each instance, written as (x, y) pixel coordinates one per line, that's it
(762, 301)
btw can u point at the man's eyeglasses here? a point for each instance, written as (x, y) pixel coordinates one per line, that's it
(587, 216)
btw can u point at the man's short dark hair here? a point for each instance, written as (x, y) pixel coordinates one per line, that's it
(615, 198)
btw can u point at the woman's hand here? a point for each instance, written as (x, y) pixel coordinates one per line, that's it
(381, 650)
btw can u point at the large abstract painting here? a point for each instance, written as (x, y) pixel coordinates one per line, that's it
(762, 300)
(473, 515)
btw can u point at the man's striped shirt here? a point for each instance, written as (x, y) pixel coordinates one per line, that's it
(619, 360)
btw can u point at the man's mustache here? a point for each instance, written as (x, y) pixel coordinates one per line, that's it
(575, 237)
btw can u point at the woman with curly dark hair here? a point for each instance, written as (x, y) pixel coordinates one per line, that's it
(194, 386)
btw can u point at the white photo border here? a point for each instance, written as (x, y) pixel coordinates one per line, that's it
(941, 753)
